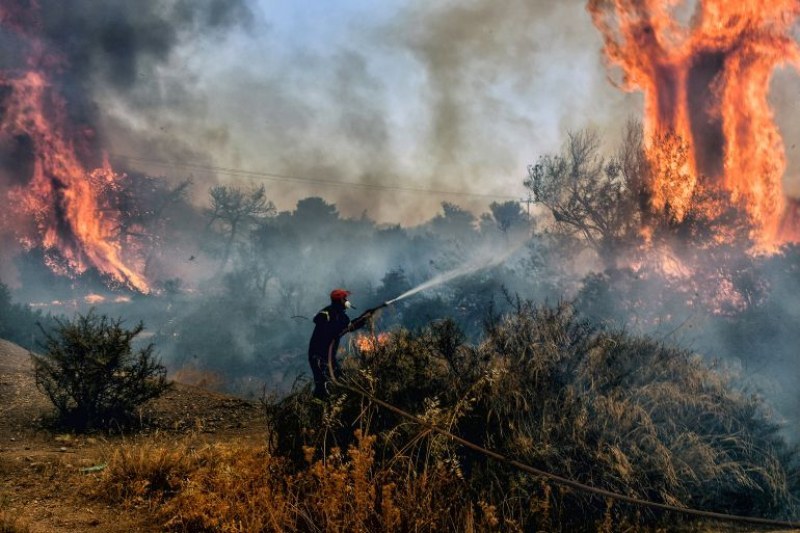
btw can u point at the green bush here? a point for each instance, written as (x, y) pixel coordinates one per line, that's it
(91, 373)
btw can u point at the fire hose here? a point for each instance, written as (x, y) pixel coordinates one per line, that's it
(555, 478)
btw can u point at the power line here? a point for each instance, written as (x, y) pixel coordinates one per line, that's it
(273, 176)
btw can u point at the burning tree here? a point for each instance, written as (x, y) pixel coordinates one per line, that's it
(706, 84)
(69, 205)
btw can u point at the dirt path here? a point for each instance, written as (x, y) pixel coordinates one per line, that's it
(42, 487)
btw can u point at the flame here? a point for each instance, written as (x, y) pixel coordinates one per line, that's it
(707, 118)
(371, 343)
(72, 217)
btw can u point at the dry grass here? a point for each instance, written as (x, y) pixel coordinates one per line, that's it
(11, 524)
(199, 377)
(10, 521)
(239, 488)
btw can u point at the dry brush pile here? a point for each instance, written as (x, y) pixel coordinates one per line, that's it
(621, 413)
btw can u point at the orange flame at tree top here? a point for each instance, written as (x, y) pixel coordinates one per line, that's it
(706, 87)
(74, 223)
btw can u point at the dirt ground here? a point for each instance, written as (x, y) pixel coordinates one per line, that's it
(42, 486)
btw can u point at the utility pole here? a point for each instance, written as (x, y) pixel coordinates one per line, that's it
(528, 201)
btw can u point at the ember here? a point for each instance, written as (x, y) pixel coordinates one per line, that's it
(370, 343)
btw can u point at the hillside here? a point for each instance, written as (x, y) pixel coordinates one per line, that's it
(41, 484)
(663, 427)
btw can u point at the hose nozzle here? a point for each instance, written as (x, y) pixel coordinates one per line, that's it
(372, 311)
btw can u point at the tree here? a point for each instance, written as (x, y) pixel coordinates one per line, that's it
(157, 218)
(235, 209)
(509, 216)
(595, 197)
(315, 212)
(91, 373)
(613, 203)
(455, 223)
(393, 284)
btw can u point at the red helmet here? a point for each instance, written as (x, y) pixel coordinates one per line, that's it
(339, 295)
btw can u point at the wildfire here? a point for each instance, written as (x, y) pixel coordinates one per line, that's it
(707, 118)
(73, 219)
(371, 343)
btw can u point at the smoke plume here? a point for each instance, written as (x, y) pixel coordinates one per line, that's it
(452, 97)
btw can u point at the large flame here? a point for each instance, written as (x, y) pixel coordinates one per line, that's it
(73, 219)
(706, 87)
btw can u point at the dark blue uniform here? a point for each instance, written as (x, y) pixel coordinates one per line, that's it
(330, 324)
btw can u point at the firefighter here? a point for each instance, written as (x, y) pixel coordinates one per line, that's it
(329, 325)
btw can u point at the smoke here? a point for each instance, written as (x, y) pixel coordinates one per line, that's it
(452, 96)
(456, 96)
(483, 57)
(121, 45)
(123, 49)
(86, 49)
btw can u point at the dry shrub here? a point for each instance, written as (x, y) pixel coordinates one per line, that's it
(240, 488)
(614, 411)
(630, 415)
(11, 524)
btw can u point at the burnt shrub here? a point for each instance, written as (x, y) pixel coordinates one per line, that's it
(92, 374)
